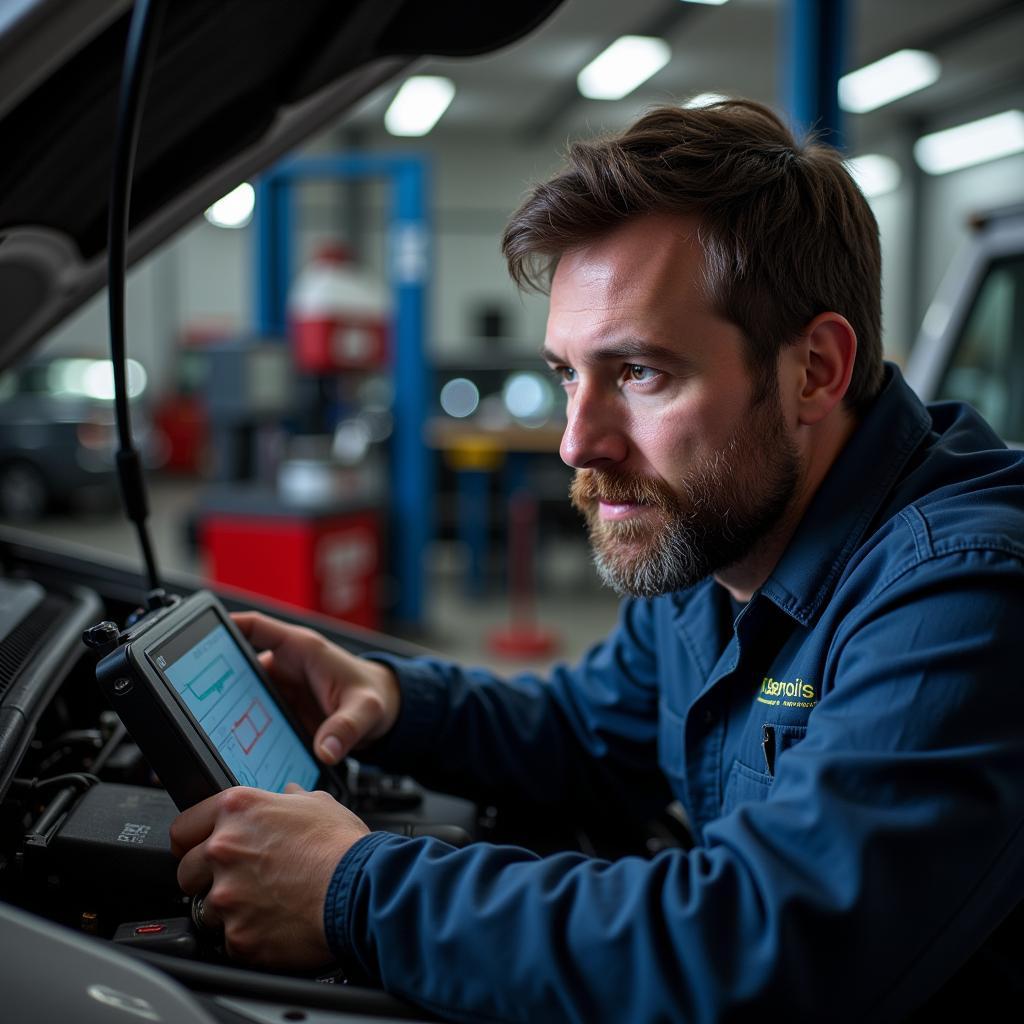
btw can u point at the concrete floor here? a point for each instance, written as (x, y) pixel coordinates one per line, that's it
(570, 602)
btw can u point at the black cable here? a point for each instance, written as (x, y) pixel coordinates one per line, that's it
(100, 760)
(72, 737)
(52, 814)
(138, 63)
(83, 779)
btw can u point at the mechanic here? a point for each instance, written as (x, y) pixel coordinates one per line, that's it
(817, 653)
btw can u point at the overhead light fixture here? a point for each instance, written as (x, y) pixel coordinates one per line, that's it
(704, 99)
(627, 63)
(888, 79)
(973, 143)
(875, 175)
(235, 209)
(419, 104)
(716, 3)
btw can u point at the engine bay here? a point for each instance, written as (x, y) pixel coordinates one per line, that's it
(84, 821)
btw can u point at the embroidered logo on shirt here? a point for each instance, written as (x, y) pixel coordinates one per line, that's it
(796, 694)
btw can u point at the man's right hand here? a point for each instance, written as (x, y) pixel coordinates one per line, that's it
(354, 701)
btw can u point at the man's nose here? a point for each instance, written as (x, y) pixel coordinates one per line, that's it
(594, 432)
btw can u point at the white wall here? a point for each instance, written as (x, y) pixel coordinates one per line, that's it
(893, 213)
(214, 276)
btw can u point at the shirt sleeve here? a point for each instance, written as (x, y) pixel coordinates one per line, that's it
(888, 848)
(584, 735)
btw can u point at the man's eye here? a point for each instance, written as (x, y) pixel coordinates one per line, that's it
(564, 374)
(639, 373)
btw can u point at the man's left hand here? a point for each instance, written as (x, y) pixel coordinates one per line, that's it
(263, 862)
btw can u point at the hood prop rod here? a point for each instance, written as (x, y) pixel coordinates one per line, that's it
(138, 63)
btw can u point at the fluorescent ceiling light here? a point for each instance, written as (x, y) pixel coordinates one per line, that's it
(235, 209)
(875, 174)
(628, 62)
(888, 79)
(704, 99)
(419, 104)
(973, 143)
(717, 3)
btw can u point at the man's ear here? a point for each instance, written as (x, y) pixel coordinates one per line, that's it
(825, 353)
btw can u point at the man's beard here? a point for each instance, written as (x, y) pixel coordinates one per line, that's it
(731, 501)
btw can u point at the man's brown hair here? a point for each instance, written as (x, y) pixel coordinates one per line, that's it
(785, 231)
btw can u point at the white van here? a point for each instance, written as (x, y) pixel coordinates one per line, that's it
(971, 346)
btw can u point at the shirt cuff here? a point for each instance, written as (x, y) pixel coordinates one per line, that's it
(338, 904)
(421, 716)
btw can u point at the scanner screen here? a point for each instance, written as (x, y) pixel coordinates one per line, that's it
(232, 706)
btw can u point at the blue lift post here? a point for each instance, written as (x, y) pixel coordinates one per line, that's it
(412, 477)
(812, 60)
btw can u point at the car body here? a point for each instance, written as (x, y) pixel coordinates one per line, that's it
(58, 436)
(971, 344)
(234, 85)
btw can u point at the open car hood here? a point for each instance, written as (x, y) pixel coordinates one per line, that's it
(235, 84)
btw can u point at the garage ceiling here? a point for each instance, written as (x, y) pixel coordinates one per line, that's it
(528, 91)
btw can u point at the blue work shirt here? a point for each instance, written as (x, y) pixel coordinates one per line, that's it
(849, 751)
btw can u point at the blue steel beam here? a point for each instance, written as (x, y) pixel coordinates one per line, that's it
(264, 226)
(412, 465)
(273, 221)
(811, 62)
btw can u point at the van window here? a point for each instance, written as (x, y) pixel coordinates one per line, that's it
(987, 365)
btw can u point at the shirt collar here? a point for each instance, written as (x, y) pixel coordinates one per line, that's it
(849, 498)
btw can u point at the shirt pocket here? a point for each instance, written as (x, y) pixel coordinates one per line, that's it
(745, 785)
(748, 784)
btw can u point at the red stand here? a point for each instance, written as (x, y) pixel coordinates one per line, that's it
(326, 562)
(522, 637)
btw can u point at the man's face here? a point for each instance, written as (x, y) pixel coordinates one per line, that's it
(678, 473)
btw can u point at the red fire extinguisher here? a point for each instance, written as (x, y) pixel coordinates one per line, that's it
(339, 314)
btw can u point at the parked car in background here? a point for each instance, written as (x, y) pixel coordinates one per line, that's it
(971, 346)
(57, 435)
